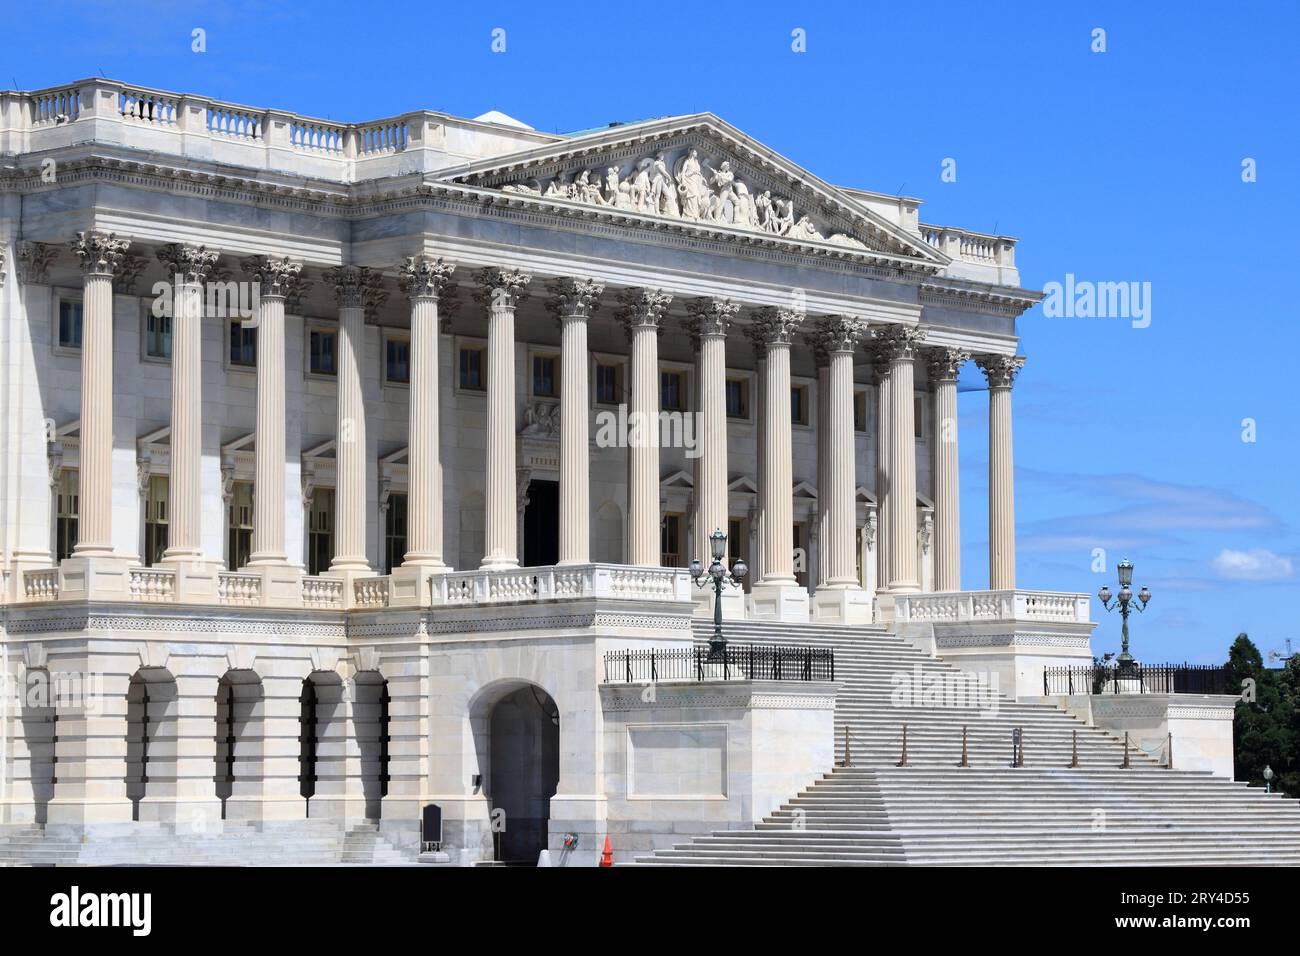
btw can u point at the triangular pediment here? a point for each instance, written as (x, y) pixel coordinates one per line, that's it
(698, 174)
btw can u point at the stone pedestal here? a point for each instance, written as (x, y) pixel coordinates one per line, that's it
(94, 578)
(778, 602)
(831, 605)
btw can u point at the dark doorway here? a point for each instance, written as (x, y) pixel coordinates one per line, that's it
(542, 524)
(523, 772)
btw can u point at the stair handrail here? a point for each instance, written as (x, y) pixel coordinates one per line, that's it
(903, 761)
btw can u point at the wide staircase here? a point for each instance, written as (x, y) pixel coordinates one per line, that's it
(961, 793)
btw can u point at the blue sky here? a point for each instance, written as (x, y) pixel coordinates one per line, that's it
(1115, 166)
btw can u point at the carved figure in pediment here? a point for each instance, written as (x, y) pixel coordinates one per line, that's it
(559, 189)
(585, 190)
(531, 188)
(804, 229)
(783, 218)
(691, 187)
(639, 187)
(617, 194)
(663, 193)
(746, 214)
(763, 213)
(722, 206)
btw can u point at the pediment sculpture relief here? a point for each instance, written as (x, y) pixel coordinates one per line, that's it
(689, 188)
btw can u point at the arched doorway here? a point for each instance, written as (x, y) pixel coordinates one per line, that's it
(517, 736)
(151, 702)
(239, 743)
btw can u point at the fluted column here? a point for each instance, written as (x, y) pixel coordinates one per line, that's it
(1001, 370)
(642, 314)
(502, 290)
(275, 279)
(943, 367)
(357, 292)
(778, 522)
(822, 361)
(839, 338)
(423, 279)
(880, 375)
(901, 344)
(100, 254)
(757, 336)
(575, 300)
(709, 320)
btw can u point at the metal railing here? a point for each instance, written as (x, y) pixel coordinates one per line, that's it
(1140, 679)
(748, 662)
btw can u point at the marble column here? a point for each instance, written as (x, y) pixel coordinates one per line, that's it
(275, 278)
(642, 316)
(841, 599)
(901, 344)
(357, 290)
(575, 301)
(777, 594)
(502, 290)
(709, 320)
(187, 269)
(1001, 370)
(880, 376)
(822, 361)
(943, 366)
(100, 254)
(423, 279)
(757, 336)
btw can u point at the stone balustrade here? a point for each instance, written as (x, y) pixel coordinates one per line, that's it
(239, 588)
(159, 121)
(1014, 605)
(370, 592)
(151, 585)
(41, 585)
(513, 585)
(322, 592)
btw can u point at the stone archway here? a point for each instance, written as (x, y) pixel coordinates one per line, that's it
(516, 728)
(240, 733)
(151, 705)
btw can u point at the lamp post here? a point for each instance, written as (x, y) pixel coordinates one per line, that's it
(1124, 601)
(716, 577)
(1268, 779)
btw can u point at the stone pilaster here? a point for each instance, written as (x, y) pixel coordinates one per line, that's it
(90, 754)
(575, 301)
(943, 366)
(276, 279)
(502, 290)
(282, 710)
(901, 344)
(188, 268)
(642, 315)
(181, 789)
(423, 280)
(841, 599)
(1001, 370)
(357, 290)
(777, 595)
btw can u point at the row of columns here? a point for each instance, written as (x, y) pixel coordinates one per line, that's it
(894, 350)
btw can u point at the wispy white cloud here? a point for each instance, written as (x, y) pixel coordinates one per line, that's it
(1258, 564)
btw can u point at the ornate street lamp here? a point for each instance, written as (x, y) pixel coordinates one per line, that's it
(716, 577)
(1268, 779)
(1124, 601)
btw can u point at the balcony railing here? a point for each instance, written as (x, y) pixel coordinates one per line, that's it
(746, 662)
(513, 585)
(1141, 679)
(965, 606)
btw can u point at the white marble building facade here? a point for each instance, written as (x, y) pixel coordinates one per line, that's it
(388, 494)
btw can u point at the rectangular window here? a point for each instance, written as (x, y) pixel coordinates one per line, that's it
(670, 541)
(738, 398)
(799, 404)
(67, 506)
(243, 344)
(69, 324)
(155, 520)
(240, 525)
(859, 411)
(394, 532)
(320, 531)
(672, 391)
(472, 365)
(397, 361)
(544, 383)
(609, 384)
(323, 351)
(158, 336)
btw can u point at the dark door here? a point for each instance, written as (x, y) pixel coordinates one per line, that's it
(542, 524)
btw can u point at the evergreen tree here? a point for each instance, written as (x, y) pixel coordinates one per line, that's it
(1267, 729)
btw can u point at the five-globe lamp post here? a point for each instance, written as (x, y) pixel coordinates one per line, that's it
(716, 577)
(1124, 601)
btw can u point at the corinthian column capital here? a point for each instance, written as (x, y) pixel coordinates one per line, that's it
(423, 278)
(710, 317)
(277, 278)
(777, 325)
(100, 253)
(840, 333)
(901, 341)
(943, 364)
(191, 263)
(643, 308)
(501, 288)
(575, 298)
(34, 260)
(357, 287)
(1000, 370)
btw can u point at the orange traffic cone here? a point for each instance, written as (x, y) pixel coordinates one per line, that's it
(607, 857)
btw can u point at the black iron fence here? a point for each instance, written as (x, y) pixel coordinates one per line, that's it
(1139, 679)
(746, 662)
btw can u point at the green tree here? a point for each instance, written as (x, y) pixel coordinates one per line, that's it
(1266, 731)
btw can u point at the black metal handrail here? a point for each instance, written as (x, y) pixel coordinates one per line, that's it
(747, 662)
(1139, 679)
